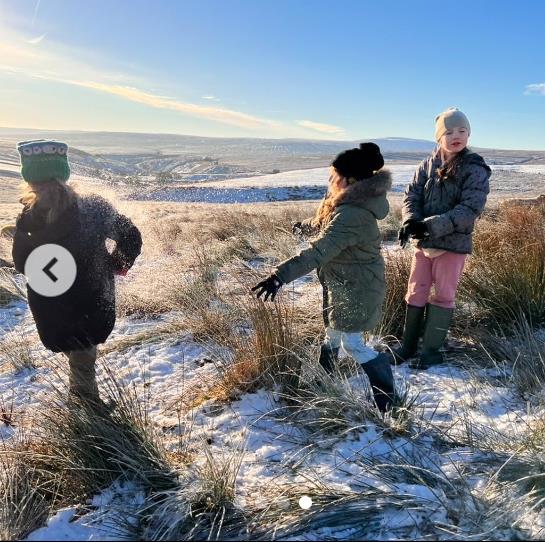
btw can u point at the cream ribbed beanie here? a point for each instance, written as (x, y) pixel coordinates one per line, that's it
(449, 119)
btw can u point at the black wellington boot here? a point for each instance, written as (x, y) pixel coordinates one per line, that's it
(414, 319)
(381, 378)
(328, 357)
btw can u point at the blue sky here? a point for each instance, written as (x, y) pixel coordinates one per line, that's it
(281, 68)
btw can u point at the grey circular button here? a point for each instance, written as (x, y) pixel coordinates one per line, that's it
(51, 270)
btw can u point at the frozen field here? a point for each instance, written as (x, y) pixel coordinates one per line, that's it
(312, 183)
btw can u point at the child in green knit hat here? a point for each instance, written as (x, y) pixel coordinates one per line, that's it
(77, 320)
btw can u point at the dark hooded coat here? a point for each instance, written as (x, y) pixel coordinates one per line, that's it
(347, 254)
(84, 315)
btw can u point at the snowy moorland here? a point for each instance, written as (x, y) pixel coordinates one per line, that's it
(226, 427)
(310, 184)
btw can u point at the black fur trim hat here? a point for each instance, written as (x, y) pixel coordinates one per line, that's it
(359, 163)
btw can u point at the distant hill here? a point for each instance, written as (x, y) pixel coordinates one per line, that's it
(125, 153)
(129, 142)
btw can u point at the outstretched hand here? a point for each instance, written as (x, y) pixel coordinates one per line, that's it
(120, 264)
(297, 228)
(269, 287)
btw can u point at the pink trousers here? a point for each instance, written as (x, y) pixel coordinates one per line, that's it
(442, 272)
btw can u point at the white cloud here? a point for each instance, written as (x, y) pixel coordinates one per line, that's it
(536, 88)
(321, 127)
(48, 62)
(227, 116)
(36, 8)
(35, 41)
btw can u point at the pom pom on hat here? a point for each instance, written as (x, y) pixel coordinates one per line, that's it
(449, 119)
(44, 160)
(359, 163)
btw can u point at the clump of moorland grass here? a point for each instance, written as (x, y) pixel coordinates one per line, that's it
(398, 268)
(91, 449)
(517, 457)
(505, 277)
(390, 226)
(264, 352)
(267, 233)
(26, 493)
(415, 497)
(202, 507)
(16, 352)
(517, 351)
(331, 407)
(10, 290)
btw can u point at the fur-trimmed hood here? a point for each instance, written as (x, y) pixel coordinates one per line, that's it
(369, 193)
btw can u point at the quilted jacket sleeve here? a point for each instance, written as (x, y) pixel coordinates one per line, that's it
(461, 218)
(413, 201)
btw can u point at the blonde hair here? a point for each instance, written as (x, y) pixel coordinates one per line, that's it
(447, 171)
(52, 197)
(328, 204)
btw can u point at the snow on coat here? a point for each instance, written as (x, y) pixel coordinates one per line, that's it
(85, 314)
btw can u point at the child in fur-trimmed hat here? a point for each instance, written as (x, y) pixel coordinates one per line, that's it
(346, 253)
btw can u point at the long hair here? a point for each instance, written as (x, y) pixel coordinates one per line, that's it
(52, 198)
(447, 172)
(327, 205)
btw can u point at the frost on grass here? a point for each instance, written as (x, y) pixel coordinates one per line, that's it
(225, 420)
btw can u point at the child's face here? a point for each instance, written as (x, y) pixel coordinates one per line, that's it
(454, 140)
(336, 180)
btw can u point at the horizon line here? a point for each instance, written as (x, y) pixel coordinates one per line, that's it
(337, 141)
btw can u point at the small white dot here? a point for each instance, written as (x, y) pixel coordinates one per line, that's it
(305, 502)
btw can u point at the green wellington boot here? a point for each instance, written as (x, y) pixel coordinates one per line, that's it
(414, 318)
(438, 320)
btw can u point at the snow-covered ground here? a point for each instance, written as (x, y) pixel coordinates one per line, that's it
(276, 453)
(312, 183)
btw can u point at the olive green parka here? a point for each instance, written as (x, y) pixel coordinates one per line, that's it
(346, 253)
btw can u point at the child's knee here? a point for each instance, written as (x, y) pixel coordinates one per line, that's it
(418, 294)
(354, 345)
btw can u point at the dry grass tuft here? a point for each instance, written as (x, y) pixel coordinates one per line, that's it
(264, 353)
(26, 493)
(90, 449)
(202, 507)
(505, 277)
(16, 353)
(398, 268)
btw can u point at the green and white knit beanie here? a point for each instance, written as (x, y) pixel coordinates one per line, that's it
(449, 119)
(44, 160)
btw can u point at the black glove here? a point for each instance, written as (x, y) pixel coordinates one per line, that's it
(120, 264)
(403, 236)
(417, 229)
(269, 287)
(297, 228)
